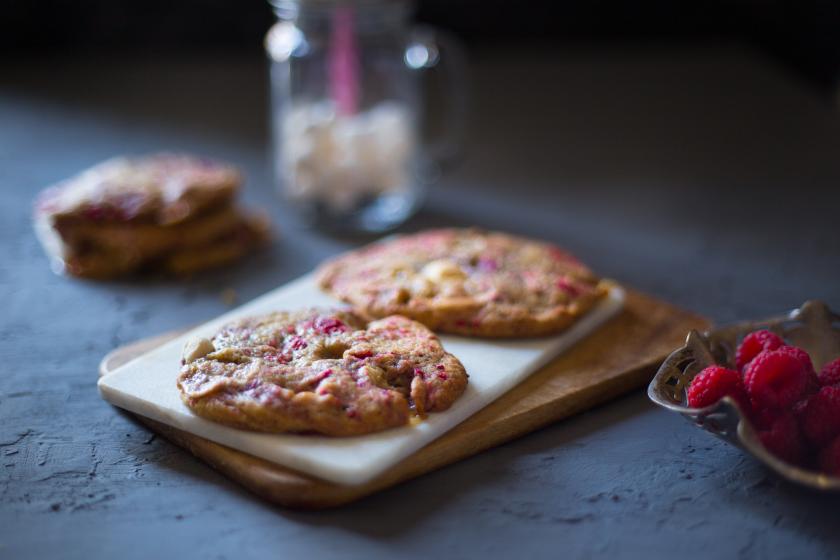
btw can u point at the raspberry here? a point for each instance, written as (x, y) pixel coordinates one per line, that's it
(776, 379)
(329, 325)
(714, 383)
(799, 354)
(323, 375)
(804, 359)
(569, 287)
(829, 458)
(784, 440)
(764, 418)
(819, 416)
(830, 374)
(297, 343)
(754, 344)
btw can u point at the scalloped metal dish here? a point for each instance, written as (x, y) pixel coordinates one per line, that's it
(814, 327)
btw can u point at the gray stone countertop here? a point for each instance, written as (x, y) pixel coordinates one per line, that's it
(707, 175)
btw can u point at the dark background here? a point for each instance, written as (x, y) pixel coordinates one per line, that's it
(803, 34)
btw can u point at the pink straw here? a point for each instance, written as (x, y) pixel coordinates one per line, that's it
(344, 62)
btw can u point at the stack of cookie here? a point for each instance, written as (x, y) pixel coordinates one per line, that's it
(169, 213)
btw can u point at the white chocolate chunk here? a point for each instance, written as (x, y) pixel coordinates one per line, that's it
(442, 270)
(422, 286)
(196, 348)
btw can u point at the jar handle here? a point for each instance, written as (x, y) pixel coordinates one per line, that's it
(434, 50)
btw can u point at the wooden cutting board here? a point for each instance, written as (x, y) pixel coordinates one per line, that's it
(618, 357)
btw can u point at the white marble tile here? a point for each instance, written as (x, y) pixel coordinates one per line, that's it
(147, 386)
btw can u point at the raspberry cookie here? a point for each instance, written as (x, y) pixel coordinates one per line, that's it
(319, 371)
(467, 282)
(170, 212)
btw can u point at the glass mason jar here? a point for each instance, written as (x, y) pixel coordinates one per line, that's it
(347, 108)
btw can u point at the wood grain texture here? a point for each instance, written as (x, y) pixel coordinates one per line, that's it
(618, 357)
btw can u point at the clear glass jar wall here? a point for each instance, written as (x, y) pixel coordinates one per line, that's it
(345, 108)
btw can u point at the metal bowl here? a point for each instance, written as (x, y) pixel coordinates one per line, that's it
(813, 327)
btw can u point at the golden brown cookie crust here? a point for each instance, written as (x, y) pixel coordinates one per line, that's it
(466, 281)
(181, 252)
(320, 371)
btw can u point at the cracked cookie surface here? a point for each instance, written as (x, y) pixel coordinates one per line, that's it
(316, 370)
(466, 281)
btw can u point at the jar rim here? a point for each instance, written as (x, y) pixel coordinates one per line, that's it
(285, 8)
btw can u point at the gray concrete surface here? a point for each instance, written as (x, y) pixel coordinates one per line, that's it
(705, 175)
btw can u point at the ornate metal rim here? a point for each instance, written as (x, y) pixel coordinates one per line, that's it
(814, 327)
